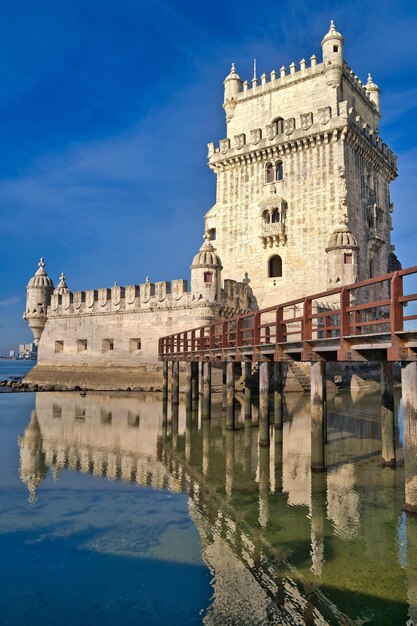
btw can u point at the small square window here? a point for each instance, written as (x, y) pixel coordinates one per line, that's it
(135, 345)
(56, 410)
(108, 344)
(348, 258)
(335, 48)
(59, 346)
(82, 345)
(208, 277)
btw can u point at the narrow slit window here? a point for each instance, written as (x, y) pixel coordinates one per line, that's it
(348, 258)
(208, 277)
(59, 346)
(269, 169)
(275, 266)
(279, 171)
(107, 345)
(135, 344)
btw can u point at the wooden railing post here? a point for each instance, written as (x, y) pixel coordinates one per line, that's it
(396, 307)
(256, 329)
(211, 332)
(307, 329)
(239, 332)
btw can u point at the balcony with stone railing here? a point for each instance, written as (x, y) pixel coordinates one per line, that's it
(273, 234)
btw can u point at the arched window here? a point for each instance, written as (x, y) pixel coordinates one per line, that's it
(275, 266)
(279, 121)
(269, 169)
(266, 217)
(275, 216)
(279, 170)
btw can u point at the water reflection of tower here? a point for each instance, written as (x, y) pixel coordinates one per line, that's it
(33, 468)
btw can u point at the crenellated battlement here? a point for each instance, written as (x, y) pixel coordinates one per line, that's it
(144, 297)
(309, 129)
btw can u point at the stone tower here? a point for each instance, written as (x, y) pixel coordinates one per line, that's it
(206, 271)
(38, 297)
(302, 151)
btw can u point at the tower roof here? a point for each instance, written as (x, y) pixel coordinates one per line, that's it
(206, 257)
(342, 236)
(233, 75)
(332, 34)
(41, 278)
(62, 286)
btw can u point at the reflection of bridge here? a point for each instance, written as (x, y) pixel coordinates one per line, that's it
(364, 321)
(275, 535)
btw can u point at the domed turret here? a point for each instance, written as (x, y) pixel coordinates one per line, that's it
(373, 92)
(232, 86)
(342, 256)
(38, 297)
(206, 273)
(332, 48)
(62, 286)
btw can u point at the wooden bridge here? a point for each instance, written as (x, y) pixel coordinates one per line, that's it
(345, 324)
(364, 321)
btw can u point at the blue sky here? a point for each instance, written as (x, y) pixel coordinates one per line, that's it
(106, 108)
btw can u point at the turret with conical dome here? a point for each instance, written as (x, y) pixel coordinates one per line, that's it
(232, 86)
(342, 256)
(332, 48)
(206, 273)
(62, 286)
(38, 297)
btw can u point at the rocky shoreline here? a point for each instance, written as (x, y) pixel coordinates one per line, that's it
(16, 384)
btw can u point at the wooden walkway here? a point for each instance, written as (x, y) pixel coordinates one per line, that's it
(345, 324)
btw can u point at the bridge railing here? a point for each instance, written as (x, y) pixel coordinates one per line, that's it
(373, 306)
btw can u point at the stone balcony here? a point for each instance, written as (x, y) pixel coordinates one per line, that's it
(273, 234)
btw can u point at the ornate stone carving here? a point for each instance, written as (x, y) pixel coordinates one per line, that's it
(342, 187)
(178, 288)
(145, 291)
(66, 299)
(89, 298)
(161, 290)
(271, 131)
(116, 294)
(240, 141)
(289, 126)
(224, 146)
(54, 302)
(102, 296)
(211, 149)
(77, 299)
(325, 113)
(255, 136)
(131, 291)
(306, 121)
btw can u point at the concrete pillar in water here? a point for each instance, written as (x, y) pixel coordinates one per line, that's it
(230, 454)
(409, 398)
(387, 415)
(278, 394)
(318, 518)
(264, 403)
(175, 390)
(206, 399)
(194, 381)
(165, 381)
(230, 395)
(206, 426)
(318, 416)
(247, 371)
(188, 387)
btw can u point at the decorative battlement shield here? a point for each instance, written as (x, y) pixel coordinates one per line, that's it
(178, 288)
(306, 121)
(54, 301)
(131, 292)
(240, 141)
(289, 126)
(66, 299)
(255, 136)
(271, 131)
(116, 294)
(103, 295)
(224, 145)
(77, 299)
(90, 297)
(161, 290)
(325, 113)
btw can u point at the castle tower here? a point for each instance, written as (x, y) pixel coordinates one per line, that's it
(332, 49)
(206, 273)
(302, 149)
(342, 256)
(38, 297)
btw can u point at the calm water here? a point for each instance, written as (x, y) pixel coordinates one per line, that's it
(10, 368)
(111, 514)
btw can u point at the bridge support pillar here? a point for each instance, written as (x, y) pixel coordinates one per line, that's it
(278, 394)
(387, 415)
(165, 381)
(409, 396)
(247, 372)
(264, 485)
(230, 395)
(264, 403)
(194, 381)
(188, 387)
(224, 385)
(318, 409)
(206, 399)
(175, 389)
